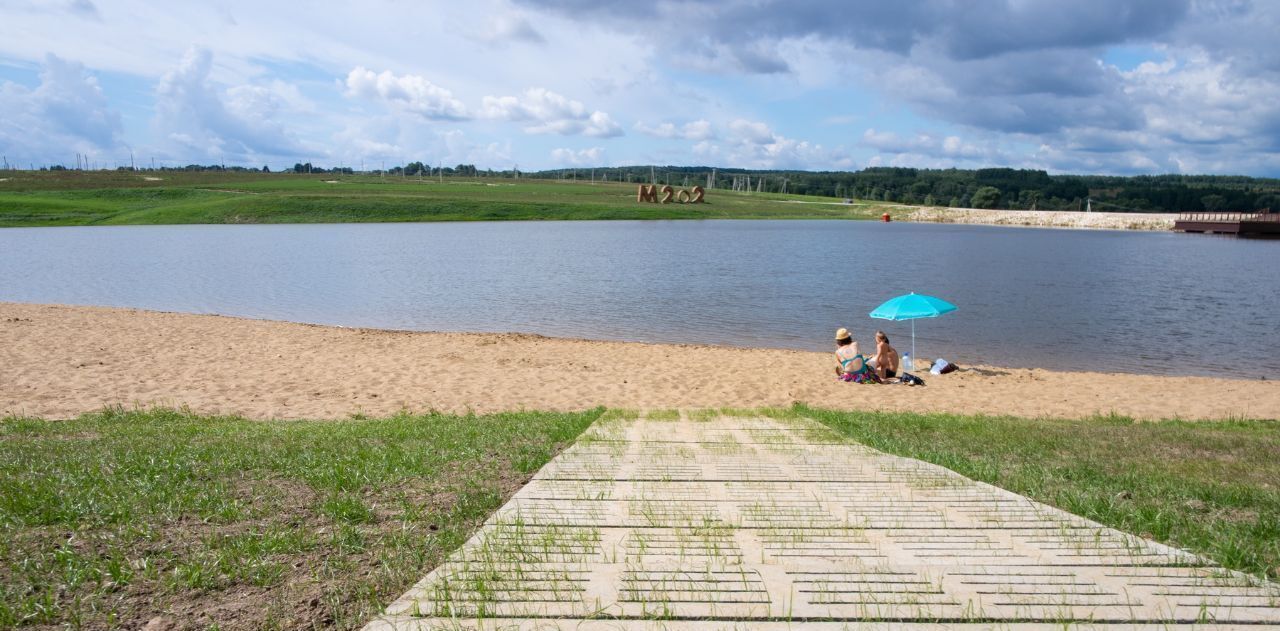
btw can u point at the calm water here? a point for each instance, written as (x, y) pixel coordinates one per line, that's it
(1124, 301)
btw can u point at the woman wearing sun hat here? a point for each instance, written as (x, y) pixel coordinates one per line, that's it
(847, 352)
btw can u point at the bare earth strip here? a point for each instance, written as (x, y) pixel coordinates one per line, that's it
(723, 522)
(60, 361)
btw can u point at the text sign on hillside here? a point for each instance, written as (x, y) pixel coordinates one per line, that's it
(649, 193)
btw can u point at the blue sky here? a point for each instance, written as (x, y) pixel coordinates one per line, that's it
(1090, 86)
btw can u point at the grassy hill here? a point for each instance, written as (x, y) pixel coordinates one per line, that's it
(78, 198)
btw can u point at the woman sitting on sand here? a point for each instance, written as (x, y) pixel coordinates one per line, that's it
(850, 364)
(886, 358)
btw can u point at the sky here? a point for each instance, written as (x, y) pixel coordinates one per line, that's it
(1088, 86)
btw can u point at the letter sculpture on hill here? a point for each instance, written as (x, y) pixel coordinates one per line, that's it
(649, 193)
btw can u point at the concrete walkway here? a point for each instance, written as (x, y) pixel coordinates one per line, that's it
(726, 522)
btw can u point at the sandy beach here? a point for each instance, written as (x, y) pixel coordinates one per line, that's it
(61, 361)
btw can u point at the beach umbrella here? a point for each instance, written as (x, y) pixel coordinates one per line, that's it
(912, 307)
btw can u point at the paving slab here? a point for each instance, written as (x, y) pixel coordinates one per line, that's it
(723, 522)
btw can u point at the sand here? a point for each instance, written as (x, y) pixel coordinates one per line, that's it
(1045, 218)
(61, 361)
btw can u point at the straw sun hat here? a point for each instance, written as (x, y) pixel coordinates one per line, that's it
(842, 333)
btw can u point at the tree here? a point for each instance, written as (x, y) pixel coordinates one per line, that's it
(986, 197)
(1213, 202)
(265, 169)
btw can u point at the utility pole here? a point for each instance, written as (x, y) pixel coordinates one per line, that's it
(653, 179)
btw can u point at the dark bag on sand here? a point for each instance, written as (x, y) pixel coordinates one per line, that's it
(912, 380)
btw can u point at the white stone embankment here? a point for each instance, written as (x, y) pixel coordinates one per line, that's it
(1044, 218)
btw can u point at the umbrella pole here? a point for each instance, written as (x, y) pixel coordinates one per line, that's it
(913, 344)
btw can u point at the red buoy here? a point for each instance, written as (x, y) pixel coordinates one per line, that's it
(885, 217)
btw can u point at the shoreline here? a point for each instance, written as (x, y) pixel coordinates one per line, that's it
(1062, 219)
(61, 361)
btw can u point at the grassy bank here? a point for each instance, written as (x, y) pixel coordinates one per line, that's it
(119, 198)
(1208, 487)
(114, 519)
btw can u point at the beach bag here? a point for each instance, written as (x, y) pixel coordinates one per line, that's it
(942, 367)
(912, 380)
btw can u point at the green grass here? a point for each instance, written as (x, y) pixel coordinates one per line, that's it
(116, 198)
(114, 518)
(1208, 487)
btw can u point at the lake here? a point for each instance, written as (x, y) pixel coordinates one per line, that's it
(1141, 302)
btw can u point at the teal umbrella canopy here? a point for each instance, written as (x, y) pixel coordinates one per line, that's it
(912, 307)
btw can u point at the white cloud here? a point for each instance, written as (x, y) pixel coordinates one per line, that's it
(582, 157)
(390, 140)
(754, 132)
(951, 147)
(409, 93)
(754, 145)
(64, 115)
(509, 27)
(546, 112)
(693, 130)
(197, 121)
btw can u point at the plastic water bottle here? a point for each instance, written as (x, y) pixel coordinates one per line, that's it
(906, 363)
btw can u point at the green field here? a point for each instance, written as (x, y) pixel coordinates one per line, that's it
(77, 198)
(113, 518)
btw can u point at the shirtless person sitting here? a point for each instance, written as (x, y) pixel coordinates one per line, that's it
(886, 358)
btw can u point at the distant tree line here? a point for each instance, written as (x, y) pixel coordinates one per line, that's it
(418, 168)
(1017, 189)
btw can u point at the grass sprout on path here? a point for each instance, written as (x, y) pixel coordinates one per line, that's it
(1207, 486)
